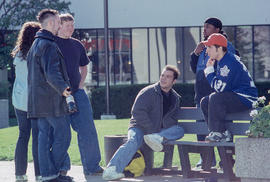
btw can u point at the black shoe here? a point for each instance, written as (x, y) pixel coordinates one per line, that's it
(52, 180)
(64, 179)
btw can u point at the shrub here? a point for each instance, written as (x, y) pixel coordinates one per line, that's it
(260, 124)
(123, 96)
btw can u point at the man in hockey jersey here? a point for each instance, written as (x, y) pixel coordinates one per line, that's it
(234, 88)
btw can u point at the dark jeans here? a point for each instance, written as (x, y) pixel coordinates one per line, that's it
(200, 137)
(52, 151)
(217, 105)
(21, 150)
(82, 122)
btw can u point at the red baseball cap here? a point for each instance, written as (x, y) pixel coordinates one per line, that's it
(216, 39)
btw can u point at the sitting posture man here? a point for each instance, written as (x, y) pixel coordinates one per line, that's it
(153, 119)
(234, 88)
(198, 62)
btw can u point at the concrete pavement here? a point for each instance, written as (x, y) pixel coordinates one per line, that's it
(7, 175)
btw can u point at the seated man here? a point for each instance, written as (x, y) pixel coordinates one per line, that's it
(234, 88)
(153, 120)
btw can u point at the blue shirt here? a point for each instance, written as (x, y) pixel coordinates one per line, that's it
(75, 56)
(232, 75)
(20, 88)
(203, 58)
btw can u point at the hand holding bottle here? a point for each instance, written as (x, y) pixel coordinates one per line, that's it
(67, 92)
(70, 101)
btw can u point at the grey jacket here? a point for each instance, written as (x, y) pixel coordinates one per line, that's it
(147, 110)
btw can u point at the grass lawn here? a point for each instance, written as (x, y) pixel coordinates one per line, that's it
(8, 138)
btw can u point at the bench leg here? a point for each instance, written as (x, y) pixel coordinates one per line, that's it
(168, 156)
(226, 159)
(207, 154)
(148, 158)
(184, 161)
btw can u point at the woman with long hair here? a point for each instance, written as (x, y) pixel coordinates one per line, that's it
(19, 101)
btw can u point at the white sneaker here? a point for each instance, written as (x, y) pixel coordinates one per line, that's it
(111, 174)
(38, 178)
(154, 141)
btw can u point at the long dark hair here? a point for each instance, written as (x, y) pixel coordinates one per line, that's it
(25, 38)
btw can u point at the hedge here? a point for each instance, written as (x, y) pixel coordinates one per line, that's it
(123, 96)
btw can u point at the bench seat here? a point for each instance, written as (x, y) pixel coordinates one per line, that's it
(225, 149)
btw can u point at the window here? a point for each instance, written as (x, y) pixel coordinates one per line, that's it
(262, 53)
(140, 55)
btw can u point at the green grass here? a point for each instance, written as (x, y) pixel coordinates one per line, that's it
(8, 138)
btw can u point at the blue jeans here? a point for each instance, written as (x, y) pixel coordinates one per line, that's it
(52, 152)
(21, 150)
(82, 122)
(124, 154)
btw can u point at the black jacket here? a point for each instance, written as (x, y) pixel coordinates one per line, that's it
(147, 110)
(201, 87)
(47, 78)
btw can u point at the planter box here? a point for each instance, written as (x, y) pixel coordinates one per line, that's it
(252, 162)
(4, 117)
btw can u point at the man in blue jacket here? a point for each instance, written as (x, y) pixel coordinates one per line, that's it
(198, 62)
(234, 88)
(153, 121)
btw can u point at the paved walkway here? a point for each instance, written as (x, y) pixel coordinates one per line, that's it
(7, 175)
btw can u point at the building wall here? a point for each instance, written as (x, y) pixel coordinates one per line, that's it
(146, 35)
(166, 13)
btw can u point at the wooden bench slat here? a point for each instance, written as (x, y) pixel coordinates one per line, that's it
(201, 128)
(202, 143)
(194, 113)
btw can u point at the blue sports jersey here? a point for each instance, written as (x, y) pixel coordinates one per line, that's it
(203, 58)
(232, 75)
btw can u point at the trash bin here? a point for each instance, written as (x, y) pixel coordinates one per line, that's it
(4, 113)
(111, 144)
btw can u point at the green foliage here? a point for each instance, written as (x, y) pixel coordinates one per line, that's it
(123, 96)
(121, 100)
(260, 124)
(16, 12)
(8, 139)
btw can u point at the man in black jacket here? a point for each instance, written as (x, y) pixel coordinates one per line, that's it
(153, 121)
(48, 86)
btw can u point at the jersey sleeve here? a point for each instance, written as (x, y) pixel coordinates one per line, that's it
(221, 80)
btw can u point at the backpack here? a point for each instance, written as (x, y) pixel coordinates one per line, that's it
(136, 166)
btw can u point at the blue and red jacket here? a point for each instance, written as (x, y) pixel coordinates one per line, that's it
(232, 75)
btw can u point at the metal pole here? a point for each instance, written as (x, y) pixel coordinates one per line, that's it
(107, 57)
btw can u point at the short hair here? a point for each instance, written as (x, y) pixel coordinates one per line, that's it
(25, 38)
(174, 69)
(224, 49)
(45, 14)
(66, 17)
